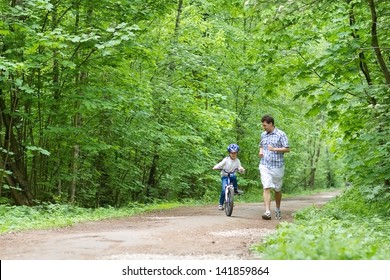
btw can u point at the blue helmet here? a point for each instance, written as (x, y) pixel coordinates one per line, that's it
(233, 148)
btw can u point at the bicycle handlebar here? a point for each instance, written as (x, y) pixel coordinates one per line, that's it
(234, 171)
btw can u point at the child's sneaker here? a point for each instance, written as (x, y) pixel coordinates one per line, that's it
(238, 191)
(278, 215)
(266, 216)
(220, 207)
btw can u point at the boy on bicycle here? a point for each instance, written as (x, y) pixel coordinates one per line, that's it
(229, 164)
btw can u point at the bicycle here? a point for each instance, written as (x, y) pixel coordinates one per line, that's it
(229, 193)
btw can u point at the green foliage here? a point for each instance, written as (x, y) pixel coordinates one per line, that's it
(347, 228)
(133, 102)
(120, 104)
(47, 215)
(323, 238)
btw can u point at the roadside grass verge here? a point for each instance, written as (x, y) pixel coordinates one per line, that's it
(346, 228)
(47, 215)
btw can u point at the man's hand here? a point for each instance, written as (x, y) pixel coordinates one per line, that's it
(261, 154)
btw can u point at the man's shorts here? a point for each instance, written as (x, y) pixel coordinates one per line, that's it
(271, 178)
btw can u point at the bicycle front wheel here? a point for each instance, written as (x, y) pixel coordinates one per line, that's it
(229, 201)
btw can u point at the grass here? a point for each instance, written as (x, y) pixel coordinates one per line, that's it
(17, 218)
(347, 228)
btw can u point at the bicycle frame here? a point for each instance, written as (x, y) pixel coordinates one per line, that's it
(229, 194)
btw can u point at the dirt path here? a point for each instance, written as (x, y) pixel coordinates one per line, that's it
(181, 233)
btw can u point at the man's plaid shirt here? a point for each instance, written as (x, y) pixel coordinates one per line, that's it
(277, 139)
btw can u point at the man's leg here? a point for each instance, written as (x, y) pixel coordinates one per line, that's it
(278, 199)
(267, 204)
(266, 181)
(278, 181)
(267, 199)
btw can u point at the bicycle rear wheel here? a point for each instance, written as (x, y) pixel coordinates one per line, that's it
(229, 200)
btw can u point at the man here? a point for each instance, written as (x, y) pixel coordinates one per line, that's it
(273, 145)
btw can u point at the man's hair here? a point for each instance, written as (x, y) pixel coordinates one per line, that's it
(268, 119)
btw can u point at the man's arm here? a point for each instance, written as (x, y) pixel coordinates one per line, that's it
(279, 150)
(261, 153)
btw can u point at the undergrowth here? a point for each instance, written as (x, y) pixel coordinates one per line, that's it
(47, 215)
(346, 228)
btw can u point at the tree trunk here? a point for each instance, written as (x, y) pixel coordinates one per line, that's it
(172, 63)
(375, 43)
(313, 168)
(178, 16)
(152, 175)
(310, 159)
(355, 34)
(75, 167)
(13, 159)
(329, 171)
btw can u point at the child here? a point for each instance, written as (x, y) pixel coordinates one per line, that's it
(229, 164)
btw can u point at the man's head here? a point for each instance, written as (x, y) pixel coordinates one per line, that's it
(268, 123)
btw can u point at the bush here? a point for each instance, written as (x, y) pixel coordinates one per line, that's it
(347, 228)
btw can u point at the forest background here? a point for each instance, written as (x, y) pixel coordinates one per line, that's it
(114, 103)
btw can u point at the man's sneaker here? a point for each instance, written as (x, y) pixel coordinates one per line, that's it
(266, 216)
(238, 191)
(278, 215)
(220, 207)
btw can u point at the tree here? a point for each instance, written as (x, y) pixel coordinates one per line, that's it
(108, 103)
